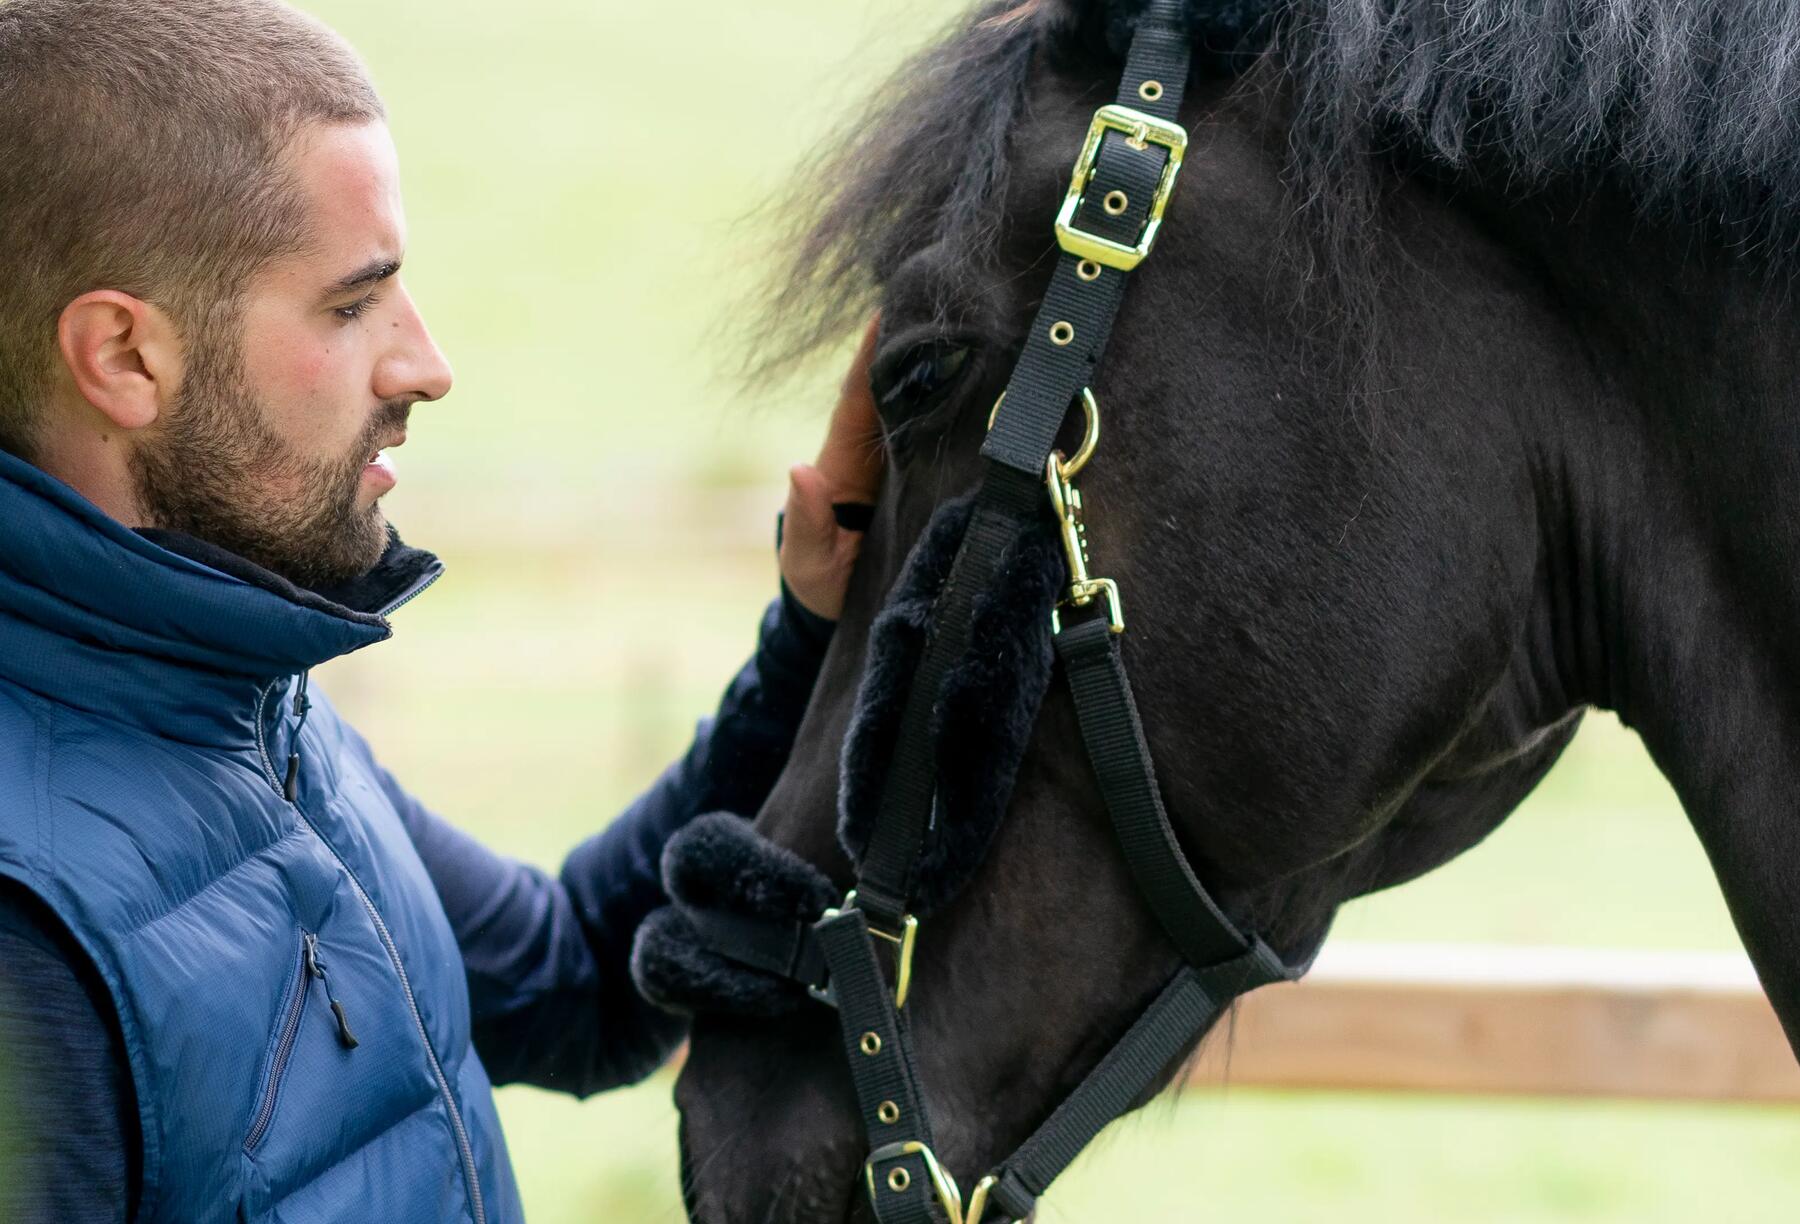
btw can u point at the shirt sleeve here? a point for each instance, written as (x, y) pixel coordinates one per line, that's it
(548, 959)
(69, 1148)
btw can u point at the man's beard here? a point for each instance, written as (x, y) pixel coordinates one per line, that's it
(216, 471)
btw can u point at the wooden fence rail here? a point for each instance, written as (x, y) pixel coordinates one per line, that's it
(1541, 1021)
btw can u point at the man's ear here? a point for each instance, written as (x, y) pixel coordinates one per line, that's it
(123, 354)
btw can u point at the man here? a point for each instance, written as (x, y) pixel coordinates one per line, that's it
(243, 975)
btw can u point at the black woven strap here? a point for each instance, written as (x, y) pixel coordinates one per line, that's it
(879, 1050)
(780, 946)
(1048, 379)
(1050, 376)
(1223, 962)
(1114, 736)
(1186, 1008)
(888, 869)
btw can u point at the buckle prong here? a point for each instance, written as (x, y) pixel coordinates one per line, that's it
(942, 1184)
(903, 942)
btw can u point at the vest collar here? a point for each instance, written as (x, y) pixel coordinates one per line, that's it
(162, 631)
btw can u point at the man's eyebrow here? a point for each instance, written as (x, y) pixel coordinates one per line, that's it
(373, 274)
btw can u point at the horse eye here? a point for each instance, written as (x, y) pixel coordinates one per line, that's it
(918, 378)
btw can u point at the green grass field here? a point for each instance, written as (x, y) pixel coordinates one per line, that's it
(605, 500)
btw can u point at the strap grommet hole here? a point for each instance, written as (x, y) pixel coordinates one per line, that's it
(1088, 270)
(888, 1112)
(870, 1044)
(899, 1180)
(1150, 91)
(1115, 203)
(1062, 333)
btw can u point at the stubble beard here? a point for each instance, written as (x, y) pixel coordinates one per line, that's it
(215, 470)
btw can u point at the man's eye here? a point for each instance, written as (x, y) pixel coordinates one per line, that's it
(357, 309)
(918, 378)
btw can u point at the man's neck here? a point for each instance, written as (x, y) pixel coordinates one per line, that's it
(91, 455)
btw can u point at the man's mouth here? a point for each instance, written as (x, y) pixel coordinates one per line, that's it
(380, 467)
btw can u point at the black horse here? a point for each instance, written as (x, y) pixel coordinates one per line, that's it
(1459, 396)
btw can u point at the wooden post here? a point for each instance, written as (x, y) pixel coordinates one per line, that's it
(1541, 1021)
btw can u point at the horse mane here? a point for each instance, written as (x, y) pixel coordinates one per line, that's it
(927, 163)
(1691, 108)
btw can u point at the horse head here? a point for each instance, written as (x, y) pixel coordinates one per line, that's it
(1342, 570)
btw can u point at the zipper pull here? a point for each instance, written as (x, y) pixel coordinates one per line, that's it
(290, 789)
(315, 965)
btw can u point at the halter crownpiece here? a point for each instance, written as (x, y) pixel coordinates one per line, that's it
(902, 814)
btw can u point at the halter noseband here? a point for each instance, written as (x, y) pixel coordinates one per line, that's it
(1106, 227)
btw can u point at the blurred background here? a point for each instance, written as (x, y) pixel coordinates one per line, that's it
(604, 497)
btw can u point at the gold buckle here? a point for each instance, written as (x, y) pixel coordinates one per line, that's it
(942, 1184)
(1141, 130)
(903, 944)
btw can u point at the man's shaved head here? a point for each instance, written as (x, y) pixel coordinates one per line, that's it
(141, 150)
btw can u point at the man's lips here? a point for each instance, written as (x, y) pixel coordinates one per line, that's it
(380, 468)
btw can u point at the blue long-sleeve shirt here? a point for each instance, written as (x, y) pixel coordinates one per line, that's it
(546, 957)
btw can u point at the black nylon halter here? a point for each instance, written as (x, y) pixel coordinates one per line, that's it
(837, 957)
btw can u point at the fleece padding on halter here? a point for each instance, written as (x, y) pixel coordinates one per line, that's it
(984, 712)
(722, 874)
(717, 869)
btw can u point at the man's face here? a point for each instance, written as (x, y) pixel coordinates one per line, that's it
(271, 447)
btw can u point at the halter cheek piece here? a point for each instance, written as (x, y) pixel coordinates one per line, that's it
(986, 704)
(735, 944)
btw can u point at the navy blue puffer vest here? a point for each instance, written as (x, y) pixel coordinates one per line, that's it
(146, 726)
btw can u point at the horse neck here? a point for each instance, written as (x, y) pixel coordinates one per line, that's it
(1672, 541)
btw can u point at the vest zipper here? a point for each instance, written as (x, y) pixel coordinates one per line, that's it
(284, 1050)
(466, 1150)
(315, 966)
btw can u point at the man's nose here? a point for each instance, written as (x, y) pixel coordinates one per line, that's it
(415, 368)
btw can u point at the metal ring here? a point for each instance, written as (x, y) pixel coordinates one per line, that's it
(871, 1044)
(1062, 333)
(899, 1180)
(1115, 203)
(1090, 440)
(888, 1112)
(1150, 91)
(1088, 270)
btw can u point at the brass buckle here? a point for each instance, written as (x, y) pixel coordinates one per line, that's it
(903, 949)
(978, 1201)
(1141, 130)
(942, 1184)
